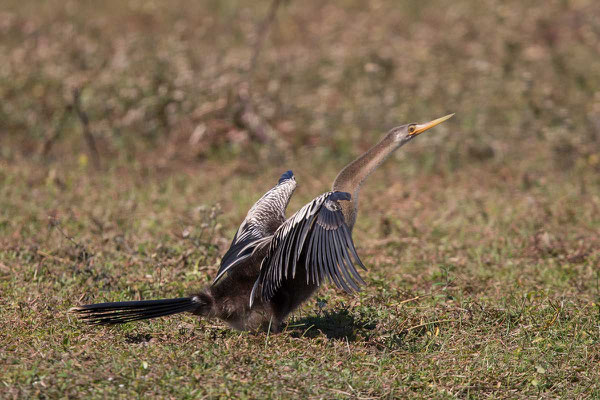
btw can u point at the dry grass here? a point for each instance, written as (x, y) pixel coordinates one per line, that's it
(481, 237)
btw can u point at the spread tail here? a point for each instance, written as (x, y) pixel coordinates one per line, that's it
(126, 311)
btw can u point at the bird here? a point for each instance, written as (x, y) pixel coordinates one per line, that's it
(274, 263)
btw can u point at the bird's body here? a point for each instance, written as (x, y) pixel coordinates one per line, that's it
(275, 264)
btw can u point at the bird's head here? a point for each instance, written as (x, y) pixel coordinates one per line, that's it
(404, 133)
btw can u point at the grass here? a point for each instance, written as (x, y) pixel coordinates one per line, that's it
(481, 237)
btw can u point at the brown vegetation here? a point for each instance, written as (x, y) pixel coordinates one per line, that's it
(481, 237)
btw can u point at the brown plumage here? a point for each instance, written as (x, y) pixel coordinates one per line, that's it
(275, 264)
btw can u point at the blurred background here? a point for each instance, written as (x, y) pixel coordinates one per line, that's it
(163, 81)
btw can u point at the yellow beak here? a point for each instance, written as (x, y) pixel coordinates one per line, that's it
(423, 127)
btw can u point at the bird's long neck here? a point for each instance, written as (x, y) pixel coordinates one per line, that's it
(354, 174)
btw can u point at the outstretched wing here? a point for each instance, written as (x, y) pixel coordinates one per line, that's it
(318, 238)
(263, 219)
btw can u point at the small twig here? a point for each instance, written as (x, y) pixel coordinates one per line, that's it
(56, 224)
(340, 392)
(557, 309)
(263, 29)
(430, 323)
(49, 142)
(414, 298)
(4, 267)
(268, 332)
(55, 258)
(87, 133)
(421, 296)
(86, 254)
(554, 318)
(307, 329)
(247, 116)
(81, 297)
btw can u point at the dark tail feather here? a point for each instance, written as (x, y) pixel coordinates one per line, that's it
(126, 311)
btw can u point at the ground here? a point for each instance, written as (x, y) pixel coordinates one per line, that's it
(481, 236)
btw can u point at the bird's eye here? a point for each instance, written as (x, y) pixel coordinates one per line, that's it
(411, 129)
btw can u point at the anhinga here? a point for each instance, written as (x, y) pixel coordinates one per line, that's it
(274, 264)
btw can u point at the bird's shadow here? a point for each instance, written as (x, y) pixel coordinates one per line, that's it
(336, 324)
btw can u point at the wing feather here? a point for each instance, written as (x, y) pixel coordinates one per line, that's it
(348, 260)
(333, 264)
(311, 253)
(263, 219)
(316, 238)
(344, 267)
(350, 245)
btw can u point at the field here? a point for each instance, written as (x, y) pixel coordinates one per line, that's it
(134, 137)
